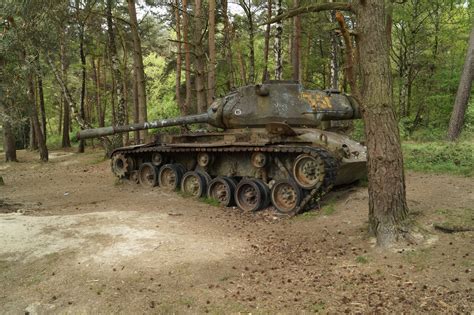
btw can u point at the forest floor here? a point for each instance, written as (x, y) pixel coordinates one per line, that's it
(74, 240)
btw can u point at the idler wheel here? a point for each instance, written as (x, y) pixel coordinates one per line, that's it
(147, 175)
(286, 196)
(170, 176)
(120, 165)
(222, 189)
(194, 184)
(308, 171)
(250, 195)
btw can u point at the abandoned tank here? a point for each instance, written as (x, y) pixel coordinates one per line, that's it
(266, 144)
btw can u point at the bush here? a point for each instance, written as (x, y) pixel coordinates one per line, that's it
(440, 157)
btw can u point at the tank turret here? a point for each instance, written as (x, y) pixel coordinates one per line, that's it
(271, 149)
(257, 106)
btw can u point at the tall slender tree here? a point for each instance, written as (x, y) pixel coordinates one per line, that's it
(200, 65)
(464, 92)
(138, 67)
(211, 75)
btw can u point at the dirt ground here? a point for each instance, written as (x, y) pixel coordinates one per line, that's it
(74, 240)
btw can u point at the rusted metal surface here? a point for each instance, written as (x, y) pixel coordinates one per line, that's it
(273, 148)
(286, 103)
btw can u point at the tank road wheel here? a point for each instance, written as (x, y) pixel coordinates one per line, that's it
(266, 193)
(194, 184)
(120, 165)
(286, 196)
(222, 189)
(308, 171)
(250, 195)
(170, 176)
(157, 159)
(147, 175)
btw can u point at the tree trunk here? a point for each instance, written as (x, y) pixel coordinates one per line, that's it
(464, 91)
(33, 112)
(247, 7)
(211, 75)
(180, 104)
(187, 56)
(66, 142)
(228, 46)
(266, 75)
(334, 73)
(200, 58)
(8, 135)
(136, 108)
(278, 43)
(243, 73)
(33, 143)
(95, 77)
(138, 67)
(296, 49)
(387, 198)
(117, 75)
(39, 79)
(83, 82)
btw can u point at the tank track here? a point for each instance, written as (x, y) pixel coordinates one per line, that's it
(331, 164)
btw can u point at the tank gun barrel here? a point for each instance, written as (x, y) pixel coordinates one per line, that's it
(178, 121)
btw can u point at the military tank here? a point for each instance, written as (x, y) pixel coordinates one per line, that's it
(267, 147)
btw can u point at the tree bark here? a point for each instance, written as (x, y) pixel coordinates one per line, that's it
(463, 93)
(39, 78)
(278, 43)
(187, 56)
(211, 75)
(228, 31)
(138, 67)
(387, 197)
(266, 75)
(66, 142)
(33, 112)
(8, 135)
(180, 104)
(199, 58)
(83, 81)
(334, 73)
(247, 7)
(296, 49)
(117, 75)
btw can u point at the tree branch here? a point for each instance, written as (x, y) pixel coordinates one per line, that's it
(342, 6)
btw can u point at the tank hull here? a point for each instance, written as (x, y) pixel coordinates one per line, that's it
(292, 166)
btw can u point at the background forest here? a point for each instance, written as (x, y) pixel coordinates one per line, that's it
(82, 63)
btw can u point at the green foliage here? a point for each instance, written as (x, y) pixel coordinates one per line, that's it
(362, 259)
(440, 157)
(160, 88)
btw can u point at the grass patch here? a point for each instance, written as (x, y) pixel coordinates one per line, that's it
(440, 157)
(318, 307)
(455, 218)
(361, 260)
(418, 258)
(210, 201)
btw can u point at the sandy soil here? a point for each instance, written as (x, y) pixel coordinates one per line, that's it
(74, 240)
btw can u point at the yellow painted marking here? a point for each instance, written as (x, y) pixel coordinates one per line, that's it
(317, 101)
